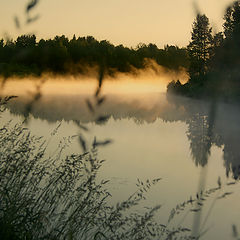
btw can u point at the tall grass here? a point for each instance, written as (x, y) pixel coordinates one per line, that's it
(56, 196)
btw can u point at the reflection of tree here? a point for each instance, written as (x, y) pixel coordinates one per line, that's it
(208, 126)
(200, 141)
(73, 107)
(232, 158)
(201, 134)
(229, 130)
(200, 117)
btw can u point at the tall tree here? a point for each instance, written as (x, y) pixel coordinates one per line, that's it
(232, 21)
(229, 54)
(199, 49)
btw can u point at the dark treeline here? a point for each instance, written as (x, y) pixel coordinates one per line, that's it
(62, 55)
(214, 69)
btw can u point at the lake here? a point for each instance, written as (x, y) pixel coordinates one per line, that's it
(192, 145)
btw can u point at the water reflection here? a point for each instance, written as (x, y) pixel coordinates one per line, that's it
(209, 123)
(212, 123)
(140, 107)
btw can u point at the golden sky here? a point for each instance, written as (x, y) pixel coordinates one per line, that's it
(126, 22)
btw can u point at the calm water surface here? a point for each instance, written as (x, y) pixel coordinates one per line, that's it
(187, 143)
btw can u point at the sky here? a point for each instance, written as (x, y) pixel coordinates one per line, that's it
(127, 22)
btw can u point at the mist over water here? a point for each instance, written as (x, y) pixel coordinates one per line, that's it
(152, 78)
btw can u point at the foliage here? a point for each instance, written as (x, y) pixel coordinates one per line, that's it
(214, 60)
(61, 55)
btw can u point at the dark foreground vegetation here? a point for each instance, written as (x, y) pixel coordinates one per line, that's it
(52, 195)
(214, 59)
(61, 55)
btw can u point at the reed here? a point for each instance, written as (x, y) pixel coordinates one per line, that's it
(58, 196)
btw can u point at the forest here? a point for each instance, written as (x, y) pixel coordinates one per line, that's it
(27, 56)
(214, 59)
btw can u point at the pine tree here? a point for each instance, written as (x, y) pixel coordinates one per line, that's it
(228, 24)
(200, 48)
(232, 21)
(230, 53)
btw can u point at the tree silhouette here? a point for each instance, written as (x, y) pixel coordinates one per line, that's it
(227, 60)
(232, 20)
(26, 41)
(199, 49)
(62, 55)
